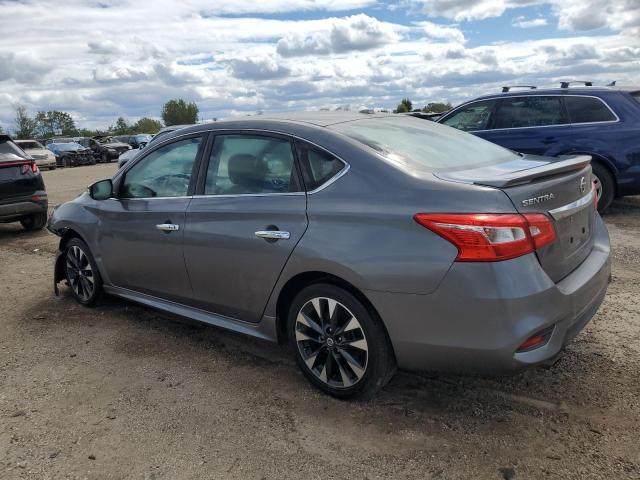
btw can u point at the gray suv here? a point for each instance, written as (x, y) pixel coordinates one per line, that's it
(366, 241)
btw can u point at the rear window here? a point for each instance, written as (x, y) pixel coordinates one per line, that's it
(588, 110)
(411, 144)
(32, 144)
(10, 152)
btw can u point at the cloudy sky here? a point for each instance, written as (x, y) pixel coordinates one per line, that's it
(100, 59)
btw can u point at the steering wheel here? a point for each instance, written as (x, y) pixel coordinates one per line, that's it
(178, 182)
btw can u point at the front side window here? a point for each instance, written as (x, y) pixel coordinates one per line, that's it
(475, 116)
(165, 172)
(533, 111)
(248, 164)
(588, 110)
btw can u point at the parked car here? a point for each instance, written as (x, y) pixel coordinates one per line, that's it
(134, 141)
(126, 156)
(23, 197)
(43, 157)
(105, 149)
(603, 122)
(71, 154)
(368, 241)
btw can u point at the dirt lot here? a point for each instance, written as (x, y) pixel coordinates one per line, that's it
(122, 391)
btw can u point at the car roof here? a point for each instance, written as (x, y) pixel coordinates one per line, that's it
(560, 91)
(285, 122)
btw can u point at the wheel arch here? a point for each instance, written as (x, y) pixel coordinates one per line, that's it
(302, 280)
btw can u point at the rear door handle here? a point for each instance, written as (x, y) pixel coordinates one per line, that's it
(273, 234)
(168, 227)
(549, 140)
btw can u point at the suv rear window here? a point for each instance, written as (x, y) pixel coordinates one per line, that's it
(9, 151)
(413, 144)
(588, 110)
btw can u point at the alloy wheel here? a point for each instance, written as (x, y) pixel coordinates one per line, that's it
(332, 342)
(80, 273)
(597, 184)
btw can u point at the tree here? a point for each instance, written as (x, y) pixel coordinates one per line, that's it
(25, 125)
(404, 106)
(147, 125)
(179, 112)
(437, 107)
(54, 122)
(121, 127)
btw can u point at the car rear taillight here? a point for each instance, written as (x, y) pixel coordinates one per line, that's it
(482, 237)
(26, 167)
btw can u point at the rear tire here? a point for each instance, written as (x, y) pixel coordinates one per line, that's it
(34, 222)
(340, 346)
(82, 273)
(605, 186)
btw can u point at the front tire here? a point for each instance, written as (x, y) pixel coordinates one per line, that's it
(82, 273)
(605, 186)
(37, 221)
(340, 346)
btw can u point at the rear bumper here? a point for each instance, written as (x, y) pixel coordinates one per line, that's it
(482, 312)
(13, 210)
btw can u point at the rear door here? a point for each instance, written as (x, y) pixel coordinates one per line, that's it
(142, 230)
(244, 223)
(535, 124)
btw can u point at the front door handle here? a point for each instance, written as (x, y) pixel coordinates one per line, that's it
(548, 140)
(273, 234)
(168, 227)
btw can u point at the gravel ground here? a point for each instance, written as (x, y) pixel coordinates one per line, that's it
(121, 391)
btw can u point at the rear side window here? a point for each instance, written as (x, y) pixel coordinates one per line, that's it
(533, 111)
(475, 116)
(247, 164)
(588, 110)
(320, 167)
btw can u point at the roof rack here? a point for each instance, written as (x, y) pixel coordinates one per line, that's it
(566, 84)
(509, 87)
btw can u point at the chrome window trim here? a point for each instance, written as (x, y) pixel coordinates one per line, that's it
(129, 165)
(617, 120)
(331, 180)
(573, 207)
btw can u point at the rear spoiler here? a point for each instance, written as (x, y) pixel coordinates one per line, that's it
(565, 163)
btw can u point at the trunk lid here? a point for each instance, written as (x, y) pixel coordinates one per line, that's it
(560, 188)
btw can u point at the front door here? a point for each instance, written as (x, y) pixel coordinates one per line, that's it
(242, 227)
(142, 230)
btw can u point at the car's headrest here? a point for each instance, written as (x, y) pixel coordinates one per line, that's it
(246, 170)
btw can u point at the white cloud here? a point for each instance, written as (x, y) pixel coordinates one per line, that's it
(339, 35)
(22, 67)
(258, 68)
(523, 22)
(441, 32)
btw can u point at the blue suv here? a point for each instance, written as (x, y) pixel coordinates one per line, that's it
(603, 122)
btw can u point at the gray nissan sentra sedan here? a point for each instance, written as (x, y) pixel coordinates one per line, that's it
(365, 241)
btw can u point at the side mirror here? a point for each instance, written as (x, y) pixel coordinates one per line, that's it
(142, 145)
(101, 190)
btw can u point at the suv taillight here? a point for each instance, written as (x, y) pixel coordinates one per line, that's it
(483, 237)
(25, 167)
